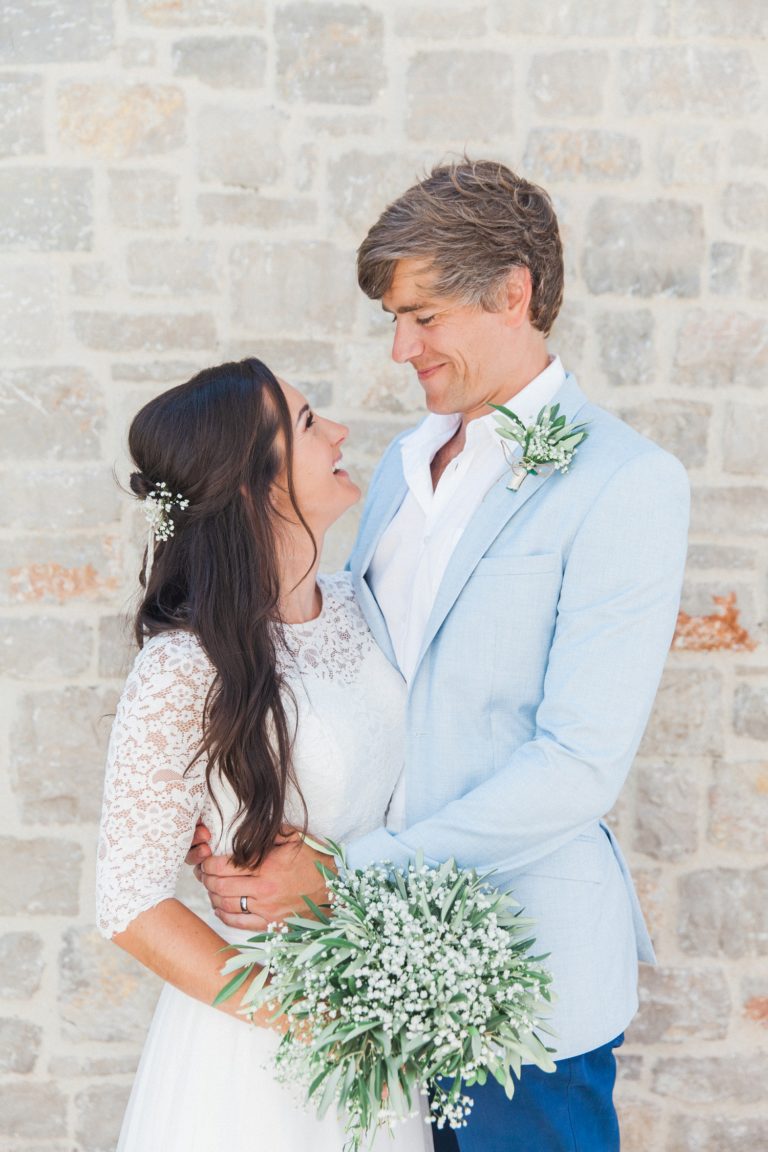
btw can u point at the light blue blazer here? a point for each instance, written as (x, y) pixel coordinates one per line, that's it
(536, 677)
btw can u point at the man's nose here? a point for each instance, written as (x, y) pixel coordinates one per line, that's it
(407, 344)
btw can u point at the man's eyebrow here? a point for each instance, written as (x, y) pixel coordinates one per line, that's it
(405, 308)
(302, 410)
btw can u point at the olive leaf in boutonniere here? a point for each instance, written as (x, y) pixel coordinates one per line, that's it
(548, 446)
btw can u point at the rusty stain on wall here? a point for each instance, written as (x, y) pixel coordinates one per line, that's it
(720, 630)
(55, 582)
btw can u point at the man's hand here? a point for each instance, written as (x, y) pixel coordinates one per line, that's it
(271, 892)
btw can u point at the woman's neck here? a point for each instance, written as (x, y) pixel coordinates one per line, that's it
(300, 598)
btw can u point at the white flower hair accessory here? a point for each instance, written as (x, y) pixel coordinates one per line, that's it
(158, 505)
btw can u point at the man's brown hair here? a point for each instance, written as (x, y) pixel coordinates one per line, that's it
(472, 222)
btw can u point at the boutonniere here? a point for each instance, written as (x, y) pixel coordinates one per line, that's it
(549, 445)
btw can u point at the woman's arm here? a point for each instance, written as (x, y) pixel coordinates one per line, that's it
(179, 947)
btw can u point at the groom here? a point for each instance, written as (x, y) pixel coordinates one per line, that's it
(531, 626)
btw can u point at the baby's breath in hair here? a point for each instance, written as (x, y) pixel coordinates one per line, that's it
(158, 505)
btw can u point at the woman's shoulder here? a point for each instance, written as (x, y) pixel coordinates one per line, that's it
(174, 655)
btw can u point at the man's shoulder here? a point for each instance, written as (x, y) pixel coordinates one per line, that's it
(613, 444)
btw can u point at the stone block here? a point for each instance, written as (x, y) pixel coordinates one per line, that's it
(57, 751)
(639, 1122)
(291, 359)
(157, 372)
(738, 806)
(723, 912)
(240, 146)
(46, 210)
(32, 1111)
(329, 53)
(749, 148)
(44, 648)
(569, 83)
(50, 413)
(60, 570)
(720, 556)
(156, 332)
(46, 877)
(449, 20)
(281, 288)
(27, 310)
(116, 121)
(21, 113)
(58, 498)
(19, 1045)
(222, 61)
(185, 13)
(687, 715)
(55, 31)
(582, 18)
(172, 267)
(99, 1112)
(730, 511)
(725, 264)
(715, 349)
(21, 965)
(144, 198)
(117, 647)
(758, 274)
(250, 210)
(693, 79)
(688, 155)
(369, 379)
(484, 86)
(747, 19)
(682, 427)
(704, 1132)
(627, 353)
(92, 279)
(713, 620)
(582, 154)
(681, 1006)
(666, 805)
(361, 185)
(74, 1065)
(754, 999)
(644, 248)
(750, 711)
(653, 891)
(711, 1079)
(745, 207)
(104, 994)
(745, 432)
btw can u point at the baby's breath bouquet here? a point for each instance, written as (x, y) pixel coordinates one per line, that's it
(406, 984)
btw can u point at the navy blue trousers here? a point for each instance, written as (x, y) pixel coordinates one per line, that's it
(570, 1110)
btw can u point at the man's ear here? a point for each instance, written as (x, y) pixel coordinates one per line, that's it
(517, 302)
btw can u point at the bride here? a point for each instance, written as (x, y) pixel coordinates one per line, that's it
(258, 703)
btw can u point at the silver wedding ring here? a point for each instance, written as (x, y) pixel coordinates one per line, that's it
(244, 904)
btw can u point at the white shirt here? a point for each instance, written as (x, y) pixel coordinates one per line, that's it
(411, 558)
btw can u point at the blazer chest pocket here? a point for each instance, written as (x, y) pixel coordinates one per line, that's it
(512, 565)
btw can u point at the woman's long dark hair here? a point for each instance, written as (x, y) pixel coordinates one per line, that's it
(217, 441)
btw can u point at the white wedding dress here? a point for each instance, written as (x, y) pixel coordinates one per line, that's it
(205, 1083)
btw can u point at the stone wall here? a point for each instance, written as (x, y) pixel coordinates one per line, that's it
(183, 181)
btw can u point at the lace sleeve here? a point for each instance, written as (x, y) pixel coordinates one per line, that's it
(151, 803)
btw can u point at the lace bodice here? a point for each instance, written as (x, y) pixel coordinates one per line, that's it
(348, 751)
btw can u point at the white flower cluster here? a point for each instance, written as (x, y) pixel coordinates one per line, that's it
(158, 505)
(551, 441)
(411, 983)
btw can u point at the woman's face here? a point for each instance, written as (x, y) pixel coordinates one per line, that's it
(323, 489)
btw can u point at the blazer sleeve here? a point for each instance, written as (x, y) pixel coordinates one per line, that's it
(616, 616)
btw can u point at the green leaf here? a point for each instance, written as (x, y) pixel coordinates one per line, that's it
(232, 986)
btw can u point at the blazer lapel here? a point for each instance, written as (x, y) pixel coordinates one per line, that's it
(496, 510)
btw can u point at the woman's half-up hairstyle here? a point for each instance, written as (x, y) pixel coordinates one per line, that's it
(221, 440)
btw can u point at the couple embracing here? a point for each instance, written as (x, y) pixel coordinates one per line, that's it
(474, 686)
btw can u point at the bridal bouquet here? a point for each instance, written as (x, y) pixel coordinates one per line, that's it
(406, 984)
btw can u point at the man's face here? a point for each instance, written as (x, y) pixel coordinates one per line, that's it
(460, 352)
